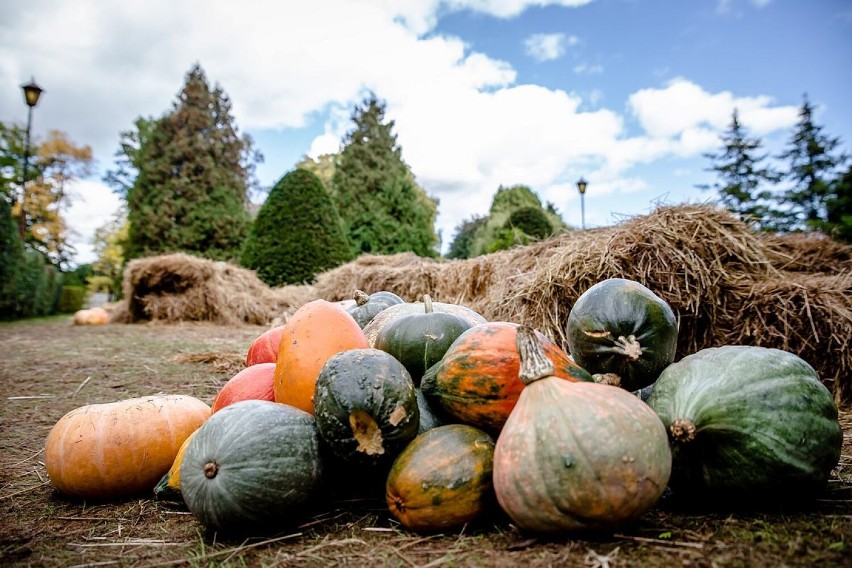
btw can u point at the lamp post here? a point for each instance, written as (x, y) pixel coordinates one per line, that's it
(581, 186)
(31, 94)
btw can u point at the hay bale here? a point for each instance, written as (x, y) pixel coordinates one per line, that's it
(181, 287)
(405, 274)
(808, 252)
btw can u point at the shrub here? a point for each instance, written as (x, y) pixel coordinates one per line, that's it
(71, 299)
(532, 221)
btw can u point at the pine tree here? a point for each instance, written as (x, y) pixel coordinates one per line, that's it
(192, 177)
(383, 209)
(742, 177)
(838, 223)
(297, 232)
(813, 165)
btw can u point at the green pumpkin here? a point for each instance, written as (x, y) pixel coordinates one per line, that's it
(747, 422)
(620, 328)
(366, 406)
(428, 417)
(251, 466)
(393, 313)
(418, 341)
(369, 306)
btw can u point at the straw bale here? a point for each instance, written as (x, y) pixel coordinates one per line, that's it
(405, 274)
(179, 287)
(808, 252)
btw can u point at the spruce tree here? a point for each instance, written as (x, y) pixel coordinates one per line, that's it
(741, 177)
(813, 164)
(193, 173)
(384, 211)
(297, 232)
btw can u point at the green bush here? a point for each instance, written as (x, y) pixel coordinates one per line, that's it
(297, 232)
(532, 221)
(71, 299)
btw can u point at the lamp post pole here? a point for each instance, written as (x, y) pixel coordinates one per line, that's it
(581, 186)
(31, 94)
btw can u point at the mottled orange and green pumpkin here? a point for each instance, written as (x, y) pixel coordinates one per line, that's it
(477, 381)
(442, 480)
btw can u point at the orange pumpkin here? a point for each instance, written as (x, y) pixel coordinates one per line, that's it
(169, 485)
(317, 331)
(264, 349)
(252, 383)
(477, 381)
(103, 451)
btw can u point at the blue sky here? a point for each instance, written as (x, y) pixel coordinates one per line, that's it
(626, 93)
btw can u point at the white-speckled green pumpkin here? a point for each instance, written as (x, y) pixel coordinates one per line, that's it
(251, 466)
(747, 422)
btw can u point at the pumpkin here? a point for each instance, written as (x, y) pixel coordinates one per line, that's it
(366, 407)
(168, 487)
(420, 340)
(91, 316)
(368, 306)
(442, 479)
(476, 382)
(264, 349)
(747, 422)
(576, 456)
(251, 466)
(252, 383)
(314, 333)
(622, 328)
(428, 417)
(386, 316)
(103, 451)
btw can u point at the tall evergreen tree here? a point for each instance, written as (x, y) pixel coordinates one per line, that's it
(741, 177)
(192, 176)
(813, 165)
(838, 223)
(383, 209)
(297, 232)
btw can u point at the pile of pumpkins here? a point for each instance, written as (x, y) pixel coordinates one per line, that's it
(454, 415)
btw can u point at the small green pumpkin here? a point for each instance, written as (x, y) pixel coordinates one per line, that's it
(420, 340)
(251, 466)
(366, 406)
(620, 328)
(368, 306)
(747, 422)
(428, 417)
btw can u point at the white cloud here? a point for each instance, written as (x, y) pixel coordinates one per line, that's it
(547, 47)
(588, 69)
(92, 205)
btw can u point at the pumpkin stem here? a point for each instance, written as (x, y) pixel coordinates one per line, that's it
(361, 297)
(683, 430)
(210, 470)
(628, 346)
(427, 303)
(534, 363)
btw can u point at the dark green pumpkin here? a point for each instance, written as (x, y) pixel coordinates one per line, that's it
(429, 418)
(418, 341)
(442, 480)
(366, 406)
(368, 306)
(251, 466)
(747, 422)
(620, 327)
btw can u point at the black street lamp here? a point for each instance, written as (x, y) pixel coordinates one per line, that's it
(31, 94)
(581, 185)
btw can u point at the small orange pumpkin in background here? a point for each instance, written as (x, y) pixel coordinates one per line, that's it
(317, 331)
(264, 349)
(252, 383)
(91, 316)
(102, 451)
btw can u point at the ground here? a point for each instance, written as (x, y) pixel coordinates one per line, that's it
(50, 366)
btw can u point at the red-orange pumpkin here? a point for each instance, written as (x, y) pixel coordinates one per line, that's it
(317, 331)
(123, 448)
(264, 349)
(252, 383)
(477, 380)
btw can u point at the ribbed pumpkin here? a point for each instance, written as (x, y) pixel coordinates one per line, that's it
(264, 349)
(619, 327)
(368, 306)
(103, 451)
(386, 316)
(168, 487)
(442, 479)
(252, 467)
(747, 423)
(252, 383)
(314, 333)
(477, 381)
(576, 456)
(366, 407)
(420, 340)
